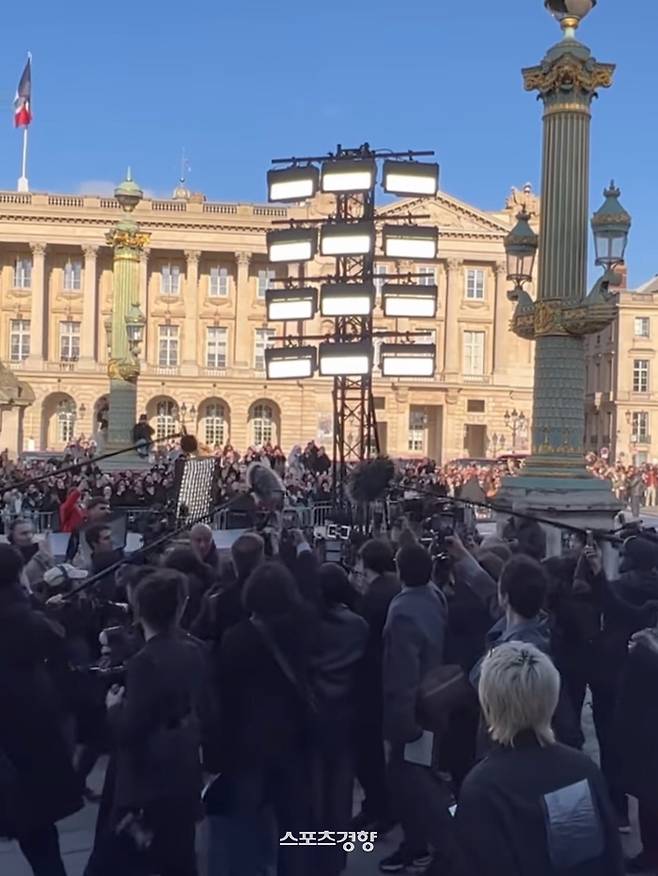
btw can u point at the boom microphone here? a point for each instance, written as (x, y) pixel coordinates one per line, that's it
(371, 479)
(189, 444)
(265, 483)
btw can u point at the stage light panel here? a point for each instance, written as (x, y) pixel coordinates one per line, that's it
(292, 244)
(406, 299)
(292, 183)
(347, 299)
(293, 304)
(347, 238)
(409, 178)
(288, 363)
(345, 359)
(410, 241)
(408, 360)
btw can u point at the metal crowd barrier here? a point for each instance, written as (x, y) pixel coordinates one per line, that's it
(315, 515)
(42, 521)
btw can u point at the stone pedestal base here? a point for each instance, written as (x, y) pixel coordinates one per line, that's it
(587, 503)
(123, 462)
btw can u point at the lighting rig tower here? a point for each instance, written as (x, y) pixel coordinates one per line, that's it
(348, 295)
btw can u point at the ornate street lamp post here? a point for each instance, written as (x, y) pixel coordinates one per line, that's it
(515, 421)
(555, 480)
(125, 328)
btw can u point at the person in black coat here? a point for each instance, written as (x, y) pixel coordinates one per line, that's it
(637, 737)
(267, 715)
(340, 645)
(531, 806)
(379, 584)
(38, 785)
(225, 607)
(158, 724)
(200, 579)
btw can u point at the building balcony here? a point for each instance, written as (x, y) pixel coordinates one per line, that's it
(640, 440)
(477, 378)
(64, 365)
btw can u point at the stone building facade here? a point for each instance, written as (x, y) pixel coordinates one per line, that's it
(202, 289)
(622, 380)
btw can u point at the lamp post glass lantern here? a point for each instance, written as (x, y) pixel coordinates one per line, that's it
(610, 226)
(521, 249)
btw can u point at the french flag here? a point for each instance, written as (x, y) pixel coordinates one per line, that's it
(23, 99)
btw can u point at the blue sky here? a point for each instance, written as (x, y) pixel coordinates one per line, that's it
(239, 82)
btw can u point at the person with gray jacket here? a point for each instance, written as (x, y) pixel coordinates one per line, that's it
(414, 637)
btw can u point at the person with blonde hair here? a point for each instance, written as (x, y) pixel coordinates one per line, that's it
(532, 807)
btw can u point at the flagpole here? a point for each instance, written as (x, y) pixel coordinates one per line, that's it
(23, 185)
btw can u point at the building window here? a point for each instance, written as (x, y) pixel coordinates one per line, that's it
(165, 419)
(66, 421)
(216, 347)
(378, 279)
(474, 353)
(475, 284)
(262, 424)
(640, 427)
(214, 424)
(264, 280)
(642, 327)
(417, 430)
(641, 375)
(170, 280)
(427, 275)
(23, 273)
(69, 341)
(219, 282)
(263, 339)
(73, 275)
(19, 340)
(168, 346)
(475, 406)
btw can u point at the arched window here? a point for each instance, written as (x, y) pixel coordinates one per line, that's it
(66, 412)
(214, 424)
(262, 423)
(165, 419)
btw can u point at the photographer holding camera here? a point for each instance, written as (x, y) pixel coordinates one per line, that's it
(157, 721)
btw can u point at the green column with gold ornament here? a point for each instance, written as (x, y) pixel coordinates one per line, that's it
(125, 328)
(555, 481)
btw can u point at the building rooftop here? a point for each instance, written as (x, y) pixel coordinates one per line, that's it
(650, 286)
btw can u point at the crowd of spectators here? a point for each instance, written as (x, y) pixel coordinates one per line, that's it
(451, 691)
(306, 472)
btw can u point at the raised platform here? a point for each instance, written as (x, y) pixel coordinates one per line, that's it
(124, 462)
(587, 503)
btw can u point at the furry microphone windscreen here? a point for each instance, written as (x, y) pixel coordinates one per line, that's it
(189, 444)
(264, 483)
(371, 479)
